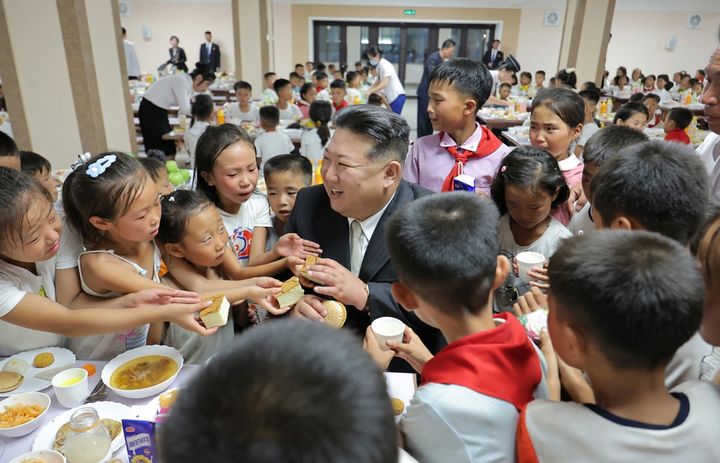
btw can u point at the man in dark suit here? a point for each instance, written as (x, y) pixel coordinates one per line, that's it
(493, 56)
(434, 60)
(210, 52)
(363, 187)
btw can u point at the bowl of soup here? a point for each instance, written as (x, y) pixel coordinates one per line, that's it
(142, 372)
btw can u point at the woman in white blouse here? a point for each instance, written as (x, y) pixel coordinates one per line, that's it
(388, 83)
(173, 90)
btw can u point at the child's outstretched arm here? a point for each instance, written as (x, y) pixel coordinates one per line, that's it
(234, 271)
(40, 313)
(288, 245)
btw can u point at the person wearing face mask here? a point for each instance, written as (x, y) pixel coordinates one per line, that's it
(387, 83)
(424, 127)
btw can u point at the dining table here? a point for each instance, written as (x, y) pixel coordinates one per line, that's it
(400, 385)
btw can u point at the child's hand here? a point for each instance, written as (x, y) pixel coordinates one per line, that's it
(412, 350)
(540, 274)
(515, 266)
(292, 245)
(339, 283)
(531, 301)
(381, 357)
(551, 360)
(158, 296)
(265, 282)
(575, 383)
(577, 199)
(265, 298)
(187, 317)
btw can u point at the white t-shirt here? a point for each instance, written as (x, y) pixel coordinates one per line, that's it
(581, 222)
(234, 112)
(588, 131)
(311, 147)
(546, 245)
(271, 144)
(354, 96)
(269, 96)
(255, 212)
(192, 136)
(322, 95)
(709, 152)
(291, 113)
(394, 88)
(170, 91)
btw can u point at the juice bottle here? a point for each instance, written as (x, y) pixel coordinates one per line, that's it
(317, 176)
(220, 116)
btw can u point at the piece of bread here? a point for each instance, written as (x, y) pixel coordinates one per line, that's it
(10, 380)
(336, 313)
(309, 262)
(217, 313)
(290, 293)
(398, 406)
(43, 359)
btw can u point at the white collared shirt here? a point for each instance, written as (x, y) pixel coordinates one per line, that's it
(171, 90)
(368, 227)
(568, 163)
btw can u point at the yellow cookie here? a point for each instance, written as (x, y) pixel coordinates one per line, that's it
(43, 359)
(398, 406)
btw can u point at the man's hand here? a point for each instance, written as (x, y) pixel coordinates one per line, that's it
(339, 283)
(310, 307)
(292, 245)
(163, 296)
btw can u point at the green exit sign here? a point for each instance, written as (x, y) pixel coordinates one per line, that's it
(409, 12)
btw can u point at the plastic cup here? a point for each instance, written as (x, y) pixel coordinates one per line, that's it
(527, 261)
(388, 329)
(71, 387)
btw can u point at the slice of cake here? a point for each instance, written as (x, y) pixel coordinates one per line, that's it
(290, 293)
(309, 262)
(217, 313)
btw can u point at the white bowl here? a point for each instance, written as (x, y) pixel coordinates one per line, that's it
(125, 357)
(46, 456)
(27, 398)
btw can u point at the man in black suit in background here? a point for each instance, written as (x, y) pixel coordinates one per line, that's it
(363, 187)
(493, 56)
(210, 52)
(424, 127)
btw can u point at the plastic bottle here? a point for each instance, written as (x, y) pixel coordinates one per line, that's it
(220, 116)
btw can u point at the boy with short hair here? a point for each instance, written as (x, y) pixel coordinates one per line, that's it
(285, 175)
(458, 88)
(338, 94)
(599, 148)
(40, 169)
(590, 127)
(321, 82)
(445, 251)
(523, 86)
(300, 70)
(539, 81)
(354, 95)
(243, 109)
(9, 154)
(621, 304)
(504, 91)
(288, 111)
(203, 113)
(652, 103)
(269, 96)
(313, 396)
(271, 143)
(675, 123)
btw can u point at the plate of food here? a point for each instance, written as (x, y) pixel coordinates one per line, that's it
(20, 414)
(142, 372)
(52, 436)
(35, 369)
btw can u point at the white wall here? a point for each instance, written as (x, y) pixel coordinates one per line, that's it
(282, 35)
(538, 46)
(639, 38)
(186, 19)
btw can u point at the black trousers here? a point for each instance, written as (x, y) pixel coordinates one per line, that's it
(154, 124)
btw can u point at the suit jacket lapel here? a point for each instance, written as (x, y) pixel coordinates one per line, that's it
(376, 255)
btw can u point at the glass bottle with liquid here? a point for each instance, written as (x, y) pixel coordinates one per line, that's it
(88, 440)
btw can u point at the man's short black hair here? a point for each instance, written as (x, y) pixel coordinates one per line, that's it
(682, 117)
(444, 248)
(662, 186)
(388, 131)
(287, 391)
(268, 74)
(270, 115)
(208, 32)
(467, 77)
(288, 163)
(608, 141)
(338, 83)
(7, 145)
(279, 84)
(637, 296)
(299, 65)
(542, 73)
(33, 163)
(591, 95)
(241, 84)
(651, 96)
(447, 43)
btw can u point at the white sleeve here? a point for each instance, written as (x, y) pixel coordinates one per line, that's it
(261, 211)
(70, 246)
(10, 296)
(290, 145)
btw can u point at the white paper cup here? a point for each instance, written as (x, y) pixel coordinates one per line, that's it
(527, 261)
(388, 329)
(73, 395)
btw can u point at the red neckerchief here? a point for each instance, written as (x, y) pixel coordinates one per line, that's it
(488, 144)
(500, 363)
(341, 106)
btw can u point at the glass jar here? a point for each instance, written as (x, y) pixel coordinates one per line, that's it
(88, 440)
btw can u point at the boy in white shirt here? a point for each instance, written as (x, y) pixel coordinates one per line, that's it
(268, 95)
(271, 143)
(288, 111)
(621, 303)
(354, 94)
(591, 98)
(243, 110)
(322, 83)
